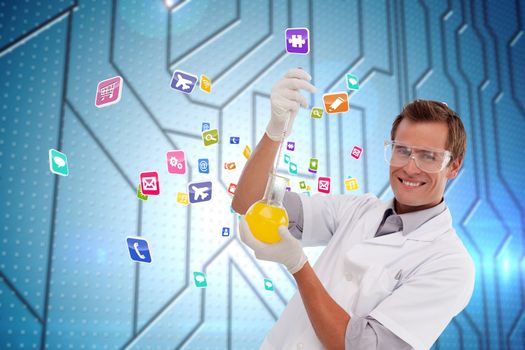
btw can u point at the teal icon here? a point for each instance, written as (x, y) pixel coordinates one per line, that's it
(200, 279)
(286, 159)
(268, 284)
(58, 163)
(292, 168)
(352, 83)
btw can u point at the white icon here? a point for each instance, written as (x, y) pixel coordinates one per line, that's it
(199, 278)
(174, 162)
(335, 104)
(297, 40)
(149, 183)
(136, 247)
(353, 81)
(209, 137)
(324, 184)
(203, 165)
(183, 82)
(199, 192)
(59, 161)
(268, 284)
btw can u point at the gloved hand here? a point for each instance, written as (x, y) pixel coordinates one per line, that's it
(285, 100)
(288, 251)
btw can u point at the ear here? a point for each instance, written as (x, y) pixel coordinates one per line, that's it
(453, 168)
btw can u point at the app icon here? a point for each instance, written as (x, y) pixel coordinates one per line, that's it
(288, 188)
(199, 191)
(205, 83)
(247, 152)
(182, 198)
(234, 140)
(302, 185)
(183, 82)
(232, 187)
(229, 166)
(308, 188)
(286, 159)
(307, 193)
(176, 161)
(138, 249)
(210, 137)
(313, 165)
(204, 166)
(292, 168)
(140, 195)
(109, 92)
(200, 279)
(351, 184)
(336, 102)
(297, 40)
(268, 285)
(58, 163)
(205, 126)
(356, 152)
(316, 113)
(352, 83)
(323, 184)
(149, 182)
(290, 146)
(225, 231)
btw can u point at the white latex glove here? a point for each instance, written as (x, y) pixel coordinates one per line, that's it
(288, 251)
(285, 100)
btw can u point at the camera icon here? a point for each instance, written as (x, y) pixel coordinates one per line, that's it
(204, 166)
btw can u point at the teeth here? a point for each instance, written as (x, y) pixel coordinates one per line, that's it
(411, 184)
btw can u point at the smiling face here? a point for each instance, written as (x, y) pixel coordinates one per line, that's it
(414, 188)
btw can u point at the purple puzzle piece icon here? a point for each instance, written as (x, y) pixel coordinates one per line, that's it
(297, 40)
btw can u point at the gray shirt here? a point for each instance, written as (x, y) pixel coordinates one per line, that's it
(368, 333)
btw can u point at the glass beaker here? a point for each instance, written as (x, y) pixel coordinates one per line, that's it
(265, 216)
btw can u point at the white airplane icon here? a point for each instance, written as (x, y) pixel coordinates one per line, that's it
(183, 82)
(199, 192)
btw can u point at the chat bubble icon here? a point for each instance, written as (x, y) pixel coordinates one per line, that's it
(200, 279)
(268, 284)
(58, 163)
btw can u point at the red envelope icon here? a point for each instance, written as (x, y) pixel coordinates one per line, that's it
(323, 184)
(149, 183)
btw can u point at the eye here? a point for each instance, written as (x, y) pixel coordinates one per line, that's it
(429, 156)
(402, 151)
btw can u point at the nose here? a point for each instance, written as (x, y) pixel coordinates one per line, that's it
(411, 167)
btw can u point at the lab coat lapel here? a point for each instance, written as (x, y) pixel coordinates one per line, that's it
(433, 228)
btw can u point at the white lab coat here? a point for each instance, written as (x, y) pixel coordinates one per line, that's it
(413, 284)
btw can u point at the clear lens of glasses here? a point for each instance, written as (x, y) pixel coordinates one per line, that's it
(430, 161)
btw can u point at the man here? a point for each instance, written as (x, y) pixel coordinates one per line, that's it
(393, 274)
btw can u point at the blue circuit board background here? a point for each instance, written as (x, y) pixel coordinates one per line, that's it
(66, 279)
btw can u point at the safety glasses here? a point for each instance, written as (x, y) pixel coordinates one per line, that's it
(428, 159)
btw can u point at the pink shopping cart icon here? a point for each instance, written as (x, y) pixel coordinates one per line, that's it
(109, 92)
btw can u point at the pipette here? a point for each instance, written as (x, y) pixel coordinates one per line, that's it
(277, 160)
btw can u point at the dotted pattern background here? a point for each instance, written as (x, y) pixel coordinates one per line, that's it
(66, 280)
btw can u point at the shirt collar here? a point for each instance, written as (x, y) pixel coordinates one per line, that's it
(411, 221)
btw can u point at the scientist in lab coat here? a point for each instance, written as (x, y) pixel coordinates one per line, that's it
(393, 274)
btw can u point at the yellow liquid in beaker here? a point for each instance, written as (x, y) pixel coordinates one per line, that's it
(264, 221)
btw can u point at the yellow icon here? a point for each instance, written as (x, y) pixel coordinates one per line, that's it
(351, 184)
(182, 198)
(205, 84)
(308, 188)
(247, 152)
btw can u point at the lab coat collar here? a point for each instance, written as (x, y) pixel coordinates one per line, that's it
(427, 232)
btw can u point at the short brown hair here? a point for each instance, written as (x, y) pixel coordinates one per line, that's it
(434, 111)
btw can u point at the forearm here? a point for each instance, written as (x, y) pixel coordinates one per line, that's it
(328, 319)
(252, 183)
